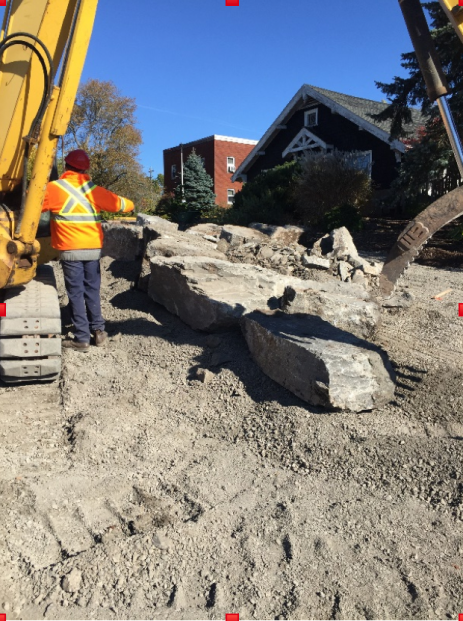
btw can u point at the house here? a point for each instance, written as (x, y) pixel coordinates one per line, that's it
(323, 120)
(221, 155)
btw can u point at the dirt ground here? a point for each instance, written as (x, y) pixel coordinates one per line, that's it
(132, 490)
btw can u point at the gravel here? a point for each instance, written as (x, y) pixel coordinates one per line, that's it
(132, 490)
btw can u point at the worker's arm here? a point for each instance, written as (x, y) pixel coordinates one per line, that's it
(108, 201)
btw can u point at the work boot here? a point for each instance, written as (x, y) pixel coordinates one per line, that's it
(100, 337)
(72, 344)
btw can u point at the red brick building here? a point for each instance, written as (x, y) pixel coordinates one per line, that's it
(221, 156)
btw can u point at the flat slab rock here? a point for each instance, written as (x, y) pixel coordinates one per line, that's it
(318, 362)
(211, 294)
(173, 245)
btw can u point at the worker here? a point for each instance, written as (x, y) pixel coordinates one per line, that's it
(74, 203)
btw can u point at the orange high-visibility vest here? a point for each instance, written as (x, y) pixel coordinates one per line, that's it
(75, 202)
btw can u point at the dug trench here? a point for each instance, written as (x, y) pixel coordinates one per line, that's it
(132, 489)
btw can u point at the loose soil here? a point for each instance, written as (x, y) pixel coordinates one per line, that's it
(130, 489)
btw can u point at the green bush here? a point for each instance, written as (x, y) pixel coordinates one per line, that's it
(327, 182)
(345, 215)
(268, 198)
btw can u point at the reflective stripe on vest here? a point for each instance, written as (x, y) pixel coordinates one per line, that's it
(76, 197)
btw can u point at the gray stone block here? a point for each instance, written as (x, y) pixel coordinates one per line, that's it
(211, 294)
(318, 362)
(123, 242)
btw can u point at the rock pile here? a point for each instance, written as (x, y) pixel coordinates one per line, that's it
(307, 334)
(337, 252)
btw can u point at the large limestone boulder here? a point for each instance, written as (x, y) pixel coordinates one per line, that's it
(178, 244)
(318, 362)
(347, 307)
(282, 235)
(122, 241)
(211, 294)
(237, 235)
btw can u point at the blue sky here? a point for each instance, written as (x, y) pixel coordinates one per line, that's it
(197, 67)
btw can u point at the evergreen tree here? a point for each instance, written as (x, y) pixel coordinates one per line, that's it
(431, 157)
(197, 191)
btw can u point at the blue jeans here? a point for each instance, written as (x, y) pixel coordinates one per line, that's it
(82, 280)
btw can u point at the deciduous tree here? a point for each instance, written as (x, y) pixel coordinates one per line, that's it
(103, 123)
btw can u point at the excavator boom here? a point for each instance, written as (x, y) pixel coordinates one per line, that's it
(450, 206)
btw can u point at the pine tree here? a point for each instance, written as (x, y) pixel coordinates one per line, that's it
(431, 156)
(197, 185)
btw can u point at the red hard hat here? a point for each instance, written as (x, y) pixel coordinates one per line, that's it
(78, 159)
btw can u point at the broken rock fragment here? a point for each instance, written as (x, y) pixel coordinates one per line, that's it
(314, 262)
(282, 235)
(321, 364)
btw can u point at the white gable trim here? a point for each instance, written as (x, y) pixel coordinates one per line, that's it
(272, 130)
(303, 94)
(303, 141)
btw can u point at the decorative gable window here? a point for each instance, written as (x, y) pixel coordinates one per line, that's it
(173, 171)
(231, 164)
(311, 117)
(230, 197)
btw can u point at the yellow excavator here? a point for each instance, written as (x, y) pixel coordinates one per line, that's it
(43, 44)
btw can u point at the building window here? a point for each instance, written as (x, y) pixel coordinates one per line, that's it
(230, 196)
(311, 118)
(203, 161)
(173, 171)
(231, 164)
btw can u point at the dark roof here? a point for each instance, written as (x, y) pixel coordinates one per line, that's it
(355, 109)
(365, 108)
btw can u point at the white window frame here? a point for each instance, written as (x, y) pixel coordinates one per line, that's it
(230, 196)
(307, 114)
(231, 168)
(173, 171)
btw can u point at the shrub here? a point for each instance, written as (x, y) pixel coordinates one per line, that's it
(345, 215)
(268, 198)
(327, 182)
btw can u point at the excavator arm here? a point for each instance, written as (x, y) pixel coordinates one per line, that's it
(43, 44)
(450, 206)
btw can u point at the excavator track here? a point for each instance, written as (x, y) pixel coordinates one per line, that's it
(416, 235)
(30, 333)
